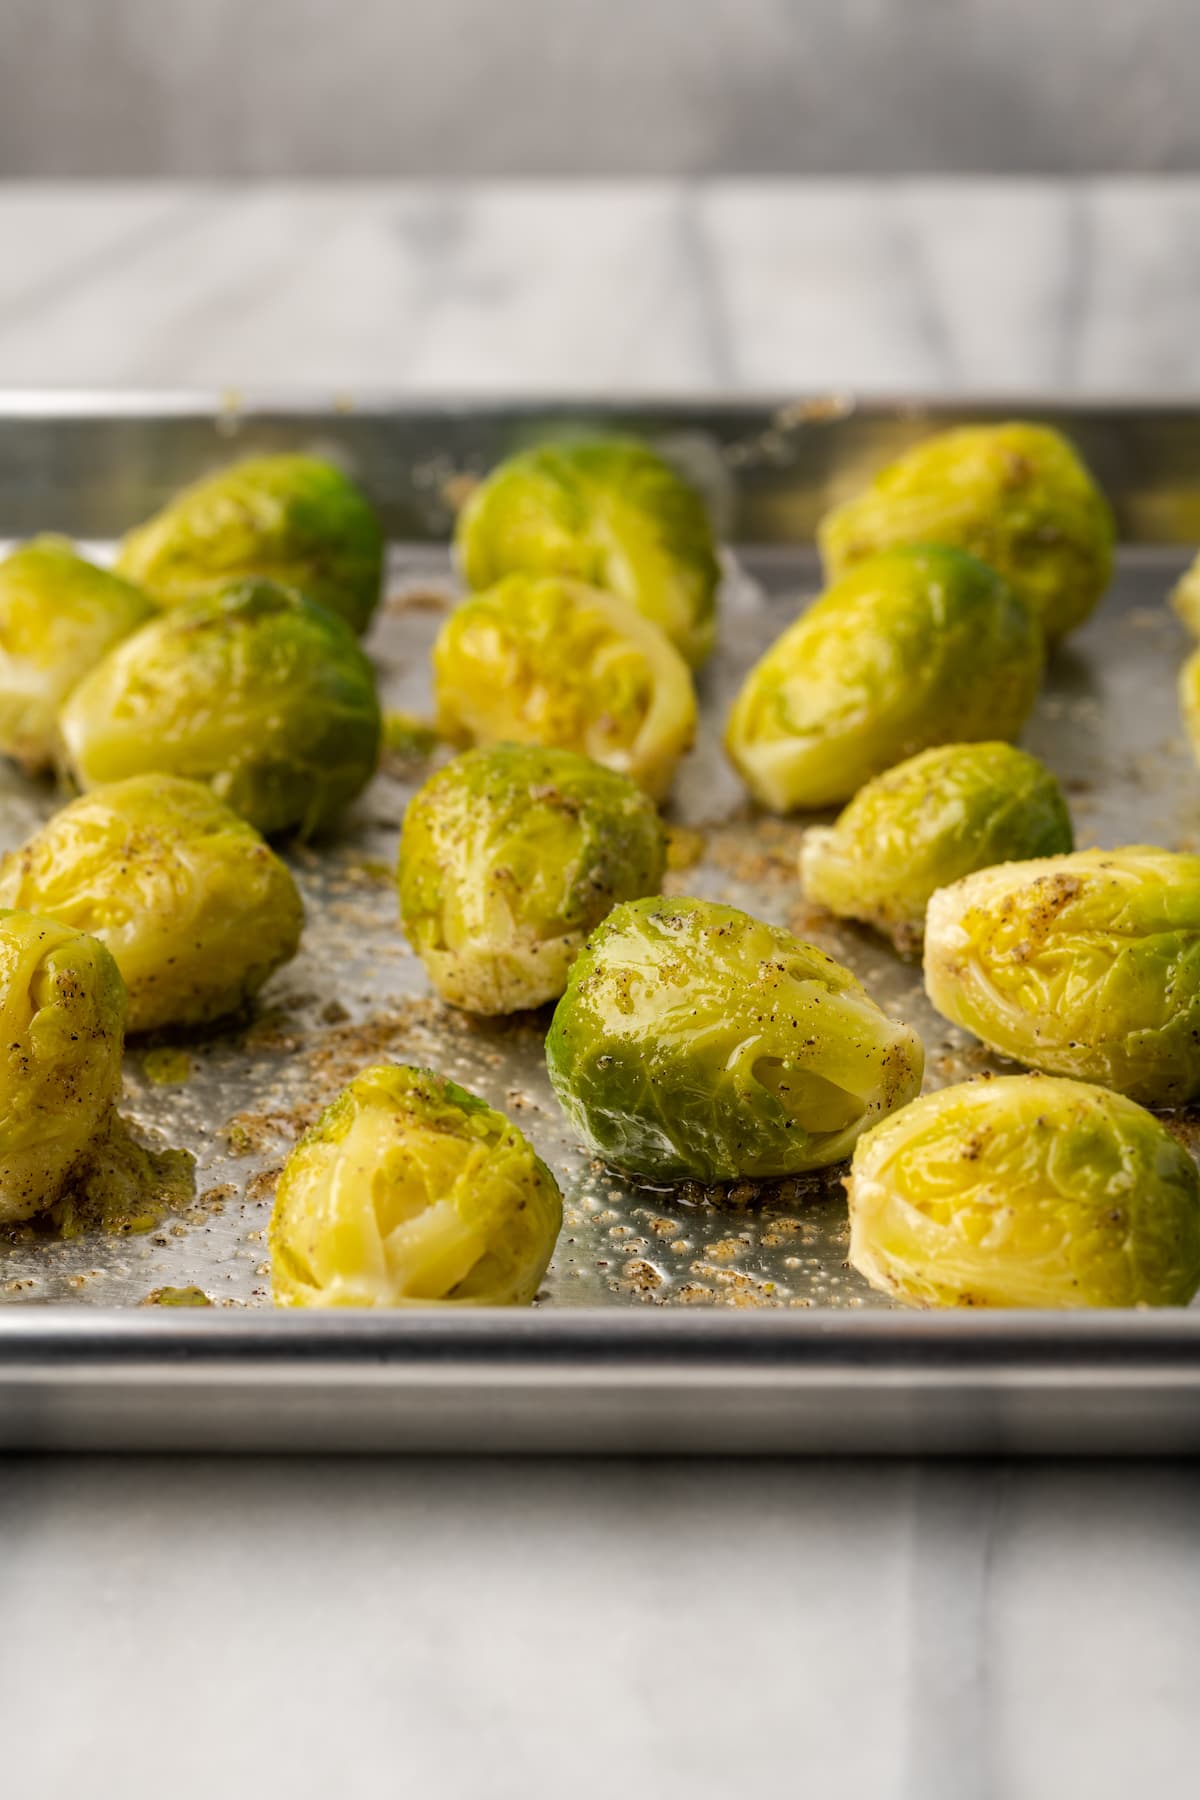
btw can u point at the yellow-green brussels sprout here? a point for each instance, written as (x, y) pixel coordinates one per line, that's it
(256, 690)
(550, 662)
(410, 1191)
(292, 519)
(911, 649)
(58, 617)
(1085, 965)
(1025, 1191)
(62, 1016)
(696, 1043)
(1185, 598)
(608, 512)
(195, 908)
(509, 857)
(1017, 496)
(928, 822)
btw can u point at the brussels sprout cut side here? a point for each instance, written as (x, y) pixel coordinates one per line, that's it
(911, 649)
(1025, 1191)
(256, 691)
(195, 908)
(696, 1043)
(1015, 495)
(608, 512)
(509, 857)
(551, 662)
(409, 1191)
(1085, 965)
(937, 817)
(292, 519)
(58, 616)
(62, 1020)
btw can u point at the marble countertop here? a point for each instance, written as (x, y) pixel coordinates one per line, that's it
(462, 1629)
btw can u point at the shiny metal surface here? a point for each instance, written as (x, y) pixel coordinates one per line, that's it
(667, 1321)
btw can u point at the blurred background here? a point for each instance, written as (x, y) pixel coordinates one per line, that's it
(312, 88)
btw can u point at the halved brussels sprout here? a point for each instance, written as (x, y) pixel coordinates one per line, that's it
(696, 1043)
(1025, 1191)
(292, 519)
(550, 662)
(1016, 496)
(1185, 597)
(509, 857)
(62, 1030)
(409, 1191)
(926, 823)
(911, 649)
(1189, 700)
(606, 511)
(255, 690)
(1085, 965)
(58, 617)
(195, 908)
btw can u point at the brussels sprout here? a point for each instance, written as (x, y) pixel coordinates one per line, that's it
(291, 519)
(409, 1191)
(608, 512)
(1085, 965)
(1025, 1191)
(509, 857)
(192, 904)
(555, 663)
(255, 690)
(62, 1019)
(696, 1043)
(911, 649)
(1017, 496)
(58, 617)
(926, 823)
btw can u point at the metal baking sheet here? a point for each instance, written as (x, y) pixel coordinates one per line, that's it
(668, 1319)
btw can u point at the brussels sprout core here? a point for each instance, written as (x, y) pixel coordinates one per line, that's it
(195, 908)
(1085, 965)
(915, 648)
(62, 1013)
(509, 857)
(696, 1043)
(256, 690)
(410, 1191)
(610, 513)
(1025, 1191)
(1016, 496)
(291, 519)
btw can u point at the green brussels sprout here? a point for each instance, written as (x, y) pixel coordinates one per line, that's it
(62, 1015)
(194, 907)
(1085, 965)
(509, 857)
(58, 617)
(1185, 598)
(608, 512)
(551, 662)
(926, 823)
(911, 649)
(409, 1191)
(1025, 1191)
(256, 690)
(291, 519)
(696, 1043)
(1016, 496)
